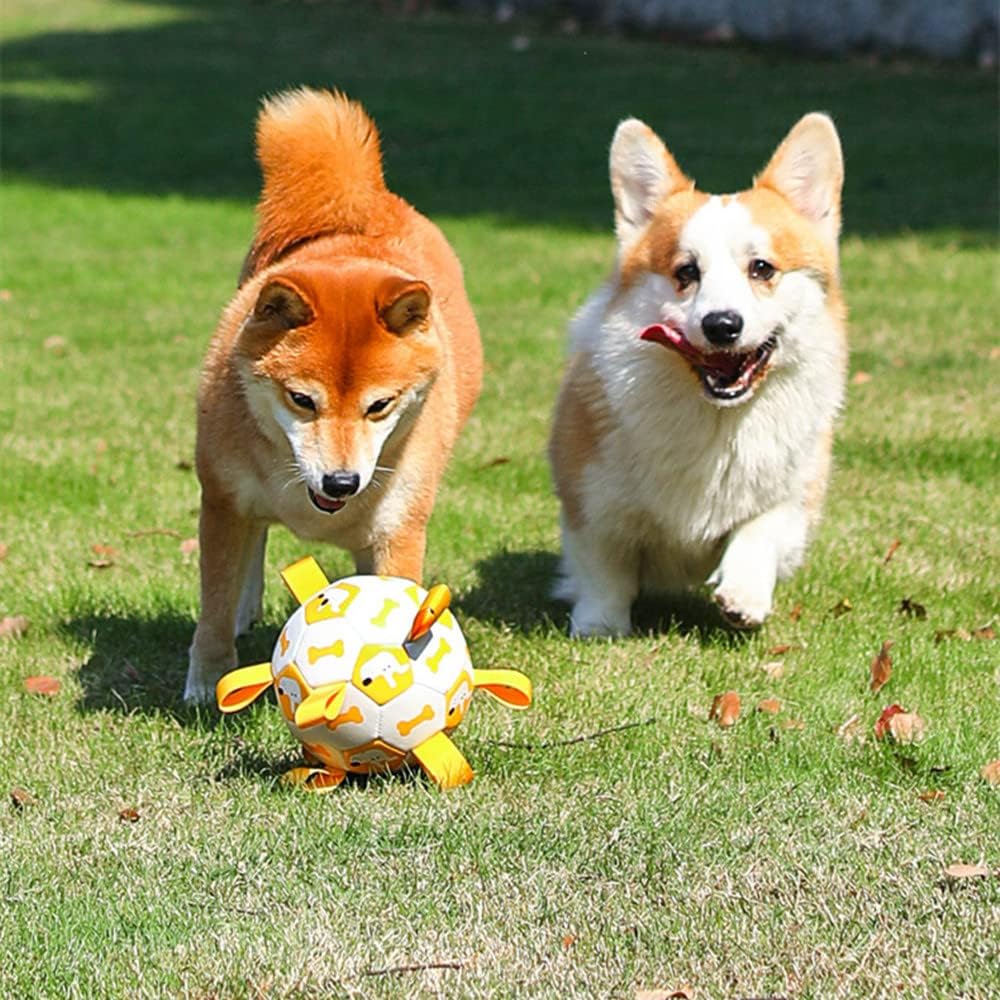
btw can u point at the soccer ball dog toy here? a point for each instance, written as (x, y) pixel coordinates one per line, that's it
(371, 673)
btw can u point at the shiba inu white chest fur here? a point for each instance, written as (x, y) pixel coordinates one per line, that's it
(692, 433)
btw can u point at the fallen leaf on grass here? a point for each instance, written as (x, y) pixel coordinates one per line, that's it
(55, 344)
(129, 815)
(902, 726)
(725, 709)
(494, 462)
(959, 870)
(770, 706)
(20, 798)
(850, 729)
(104, 556)
(774, 669)
(983, 632)
(681, 993)
(931, 795)
(189, 546)
(991, 772)
(861, 378)
(912, 608)
(881, 667)
(890, 552)
(780, 649)
(13, 627)
(792, 724)
(842, 607)
(4, 549)
(43, 684)
(796, 613)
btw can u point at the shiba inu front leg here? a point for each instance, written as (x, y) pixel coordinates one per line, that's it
(757, 554)
(230, 545)
(251, 606)
(602, 580)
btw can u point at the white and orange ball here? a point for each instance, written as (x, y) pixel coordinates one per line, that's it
(396, 694)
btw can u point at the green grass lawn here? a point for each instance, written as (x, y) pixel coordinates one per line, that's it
(777, 857)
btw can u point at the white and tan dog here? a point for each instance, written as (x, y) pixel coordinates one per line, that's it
(693, 429)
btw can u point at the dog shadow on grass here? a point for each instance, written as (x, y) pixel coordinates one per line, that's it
(515, 591)
(138, 664)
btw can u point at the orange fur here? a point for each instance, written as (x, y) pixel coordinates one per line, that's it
(349, 297)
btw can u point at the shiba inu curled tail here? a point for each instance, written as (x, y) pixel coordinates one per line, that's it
(693, 430)
(338, 378)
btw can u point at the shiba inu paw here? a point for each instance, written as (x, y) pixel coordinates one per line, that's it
(199, 688)
(742, 611)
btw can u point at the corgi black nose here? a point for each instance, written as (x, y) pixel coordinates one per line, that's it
(723, 327)
(340, 484)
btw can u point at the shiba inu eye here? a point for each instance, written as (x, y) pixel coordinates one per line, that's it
(687, 274)
(380, 407)
(302, 401)
(761, 270)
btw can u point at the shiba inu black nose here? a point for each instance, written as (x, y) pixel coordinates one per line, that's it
(340, 484)
(723, 327)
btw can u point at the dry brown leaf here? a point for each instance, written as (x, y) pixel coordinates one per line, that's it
(890, 552)
(796, 613)
(5, 295)
(129, 815)
(4, 549)
(850, 729)
(931, 795)
(681, 993)
(774, 669)
(882, 723)
(20, 798)
(984, 632)
(13, 627)
(881, 667)
(792, 724)
(725, 709)
(103, 551)
(861, 378)
(912, 608)
(907, 727)
(55, 344)
(780, 649)
(100, 563)
(959, 870)
(991, 772)
(842, 607)
(769, 705)
(43, 684)
(189, 546)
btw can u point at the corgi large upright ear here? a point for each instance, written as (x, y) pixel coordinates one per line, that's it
(279, 307)
(642, 173)
(807, 169)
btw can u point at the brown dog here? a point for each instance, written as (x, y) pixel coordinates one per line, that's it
(338, 379)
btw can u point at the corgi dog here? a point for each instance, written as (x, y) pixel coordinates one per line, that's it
(338, 378)
(692, 434)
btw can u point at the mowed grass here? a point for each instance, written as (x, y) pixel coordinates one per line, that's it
(614, 838)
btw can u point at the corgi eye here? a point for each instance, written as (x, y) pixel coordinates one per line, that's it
(302, 401)
(761, 270)
(687, 274)
(380, 407)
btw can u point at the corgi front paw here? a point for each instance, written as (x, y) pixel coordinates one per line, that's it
(742, 609)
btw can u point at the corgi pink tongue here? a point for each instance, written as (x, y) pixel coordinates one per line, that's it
(719, 362)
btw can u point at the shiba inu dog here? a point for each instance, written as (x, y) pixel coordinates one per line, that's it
(338, 378)
(693, 429)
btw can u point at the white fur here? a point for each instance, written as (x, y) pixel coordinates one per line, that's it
(685, 489)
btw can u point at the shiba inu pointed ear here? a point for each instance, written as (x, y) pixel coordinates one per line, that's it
(642, 173)
(279, 307)
(403, 304)
(807, 169)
